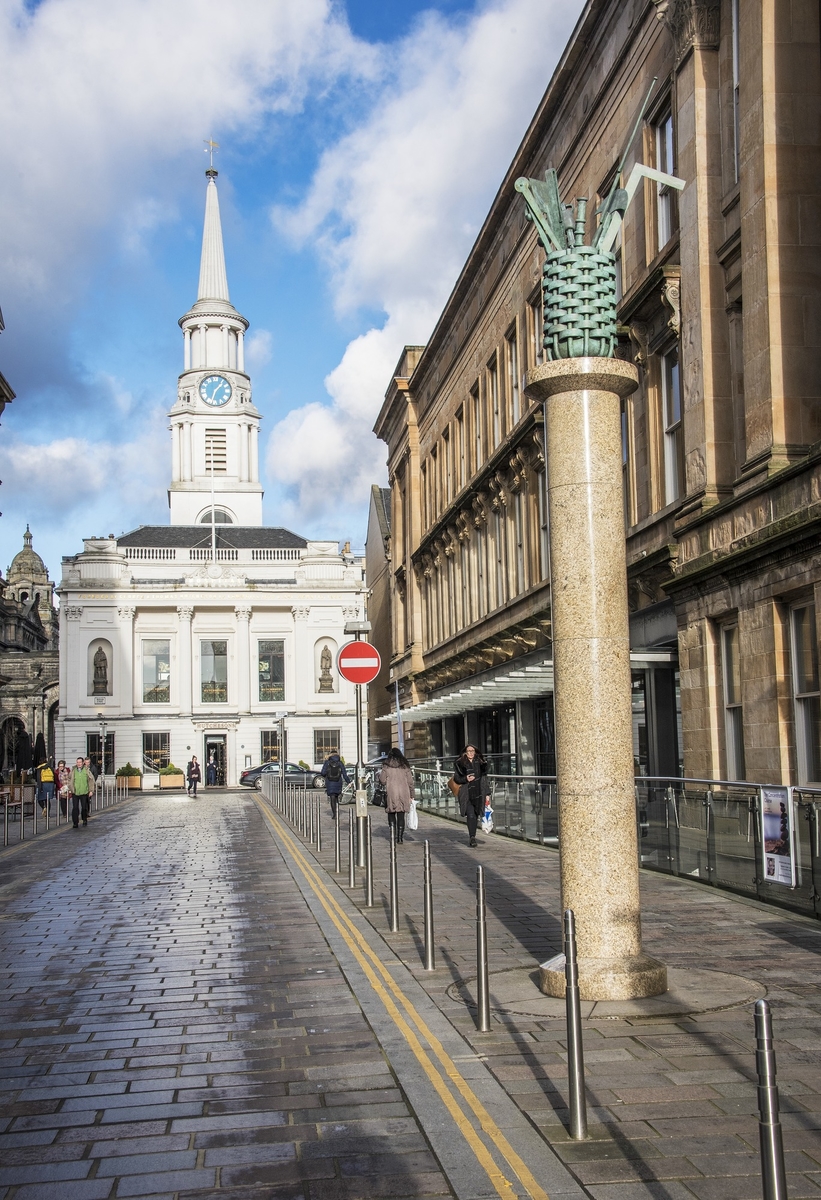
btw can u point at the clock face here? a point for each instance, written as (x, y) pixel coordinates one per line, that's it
(215, 390)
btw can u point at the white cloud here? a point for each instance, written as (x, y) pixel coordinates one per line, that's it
(258, 348)
(394, 206)
(100, 96)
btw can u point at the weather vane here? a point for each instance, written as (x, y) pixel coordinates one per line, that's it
(210, 147)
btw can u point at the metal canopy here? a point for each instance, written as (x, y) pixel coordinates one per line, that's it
(526, 683)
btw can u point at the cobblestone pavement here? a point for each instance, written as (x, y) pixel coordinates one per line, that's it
(671, 1100)
(174, 1023)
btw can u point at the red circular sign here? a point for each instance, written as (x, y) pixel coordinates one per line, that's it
(358, 662)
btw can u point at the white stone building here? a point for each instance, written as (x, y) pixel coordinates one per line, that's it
(193, 638)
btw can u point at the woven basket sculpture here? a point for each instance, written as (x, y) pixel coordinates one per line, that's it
(579, 303)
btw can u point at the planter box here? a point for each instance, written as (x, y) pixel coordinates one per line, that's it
(172, 781)
(131, 781)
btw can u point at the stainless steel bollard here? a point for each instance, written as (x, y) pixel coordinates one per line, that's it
(575, 1047)
(6, 819)
(773, 1171)
(430, 950)
(368, 864)
(394, 883)
(309, 804)
(482, 984)
(22, 815)
(338, 842)
(48, 814)
(34, 807)
(351, 851)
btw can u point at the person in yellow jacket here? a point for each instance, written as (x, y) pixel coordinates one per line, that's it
(81, 785)
(45, 783)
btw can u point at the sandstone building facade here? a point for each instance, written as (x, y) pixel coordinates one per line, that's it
(719, 307)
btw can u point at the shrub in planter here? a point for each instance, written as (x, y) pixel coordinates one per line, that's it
(171, 777)
(131, 775)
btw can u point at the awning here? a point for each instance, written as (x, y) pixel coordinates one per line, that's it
(528, 683)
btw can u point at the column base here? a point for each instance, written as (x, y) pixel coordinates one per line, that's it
(632, 978)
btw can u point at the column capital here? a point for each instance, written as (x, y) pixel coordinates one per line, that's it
(185, 612)
(74, 612)
(243, 611)
(126, 612)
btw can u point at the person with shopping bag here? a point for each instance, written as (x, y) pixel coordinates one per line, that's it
(470, 773)
(397, 777)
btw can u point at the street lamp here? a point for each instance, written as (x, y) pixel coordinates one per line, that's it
(103, 728)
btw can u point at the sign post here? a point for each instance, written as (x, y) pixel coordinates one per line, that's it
(360, 664)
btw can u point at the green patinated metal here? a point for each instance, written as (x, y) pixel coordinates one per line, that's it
(578, 281)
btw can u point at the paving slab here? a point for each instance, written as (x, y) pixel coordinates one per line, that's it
(671, 1080)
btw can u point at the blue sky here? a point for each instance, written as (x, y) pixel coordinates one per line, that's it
(360, 147)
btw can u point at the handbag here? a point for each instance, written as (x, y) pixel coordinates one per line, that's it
(454, 786)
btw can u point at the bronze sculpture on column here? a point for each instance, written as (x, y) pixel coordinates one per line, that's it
(582, 385)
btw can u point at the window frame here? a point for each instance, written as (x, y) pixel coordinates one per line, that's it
(153, 760)
(806, 701)
(672, 429)
(144, 642)
(212, 642)
(733, 704)
(334, 740)
(664, 147)
(263, 640)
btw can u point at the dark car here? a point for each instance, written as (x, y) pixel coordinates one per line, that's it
(299, 776)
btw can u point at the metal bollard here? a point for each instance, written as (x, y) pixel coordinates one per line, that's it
(318, 809)
(311, 826)
(368, 864)
(575, 1047)
(22, 816)
(6, 819)
(773, 1171)
(34, 807)
(351, 851)
(337, 842)
(394, 883)
(482, 984)
(430, 951)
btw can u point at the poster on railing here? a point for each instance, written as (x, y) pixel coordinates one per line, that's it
(777, 842)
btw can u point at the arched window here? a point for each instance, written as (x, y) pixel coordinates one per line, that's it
(221, 517)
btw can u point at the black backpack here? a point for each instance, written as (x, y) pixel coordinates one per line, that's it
(334, 771)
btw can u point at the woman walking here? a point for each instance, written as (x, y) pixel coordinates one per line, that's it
(63, 785)
(194, 775)
(397, 777)
(470, 772)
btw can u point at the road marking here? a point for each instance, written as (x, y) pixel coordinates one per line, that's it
(362, 953)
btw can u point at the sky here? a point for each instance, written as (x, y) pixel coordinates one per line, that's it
(361, 145)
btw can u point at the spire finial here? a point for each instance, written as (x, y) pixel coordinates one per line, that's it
(27, 538)
(210, 147)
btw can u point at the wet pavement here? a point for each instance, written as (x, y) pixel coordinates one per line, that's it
(195, 1006)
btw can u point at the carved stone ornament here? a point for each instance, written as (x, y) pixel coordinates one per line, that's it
(127, 612)
(215, 576)
(74, 612)
(692, 23)
(639, 335)
(301, 612)
(185, 612)
(671, 296)
(243, 612)
(479, 506)
(518, 464)
(350, 612)
(463, 523)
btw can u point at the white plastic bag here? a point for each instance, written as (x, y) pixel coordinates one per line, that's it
(412, 820)
(487, 818)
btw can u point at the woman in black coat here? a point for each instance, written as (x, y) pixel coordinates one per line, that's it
(470, 772)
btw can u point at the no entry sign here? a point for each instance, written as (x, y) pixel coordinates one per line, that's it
(358, 662)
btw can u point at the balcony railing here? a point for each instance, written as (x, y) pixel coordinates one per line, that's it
(203, 554)
(702, 829)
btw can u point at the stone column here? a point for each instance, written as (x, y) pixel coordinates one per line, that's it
(591, 654)
(241, 350)
(124, 662)
(243, 612)
(187, 349)
(184, 681)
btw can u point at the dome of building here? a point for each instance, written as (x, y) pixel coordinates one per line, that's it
(27, 564)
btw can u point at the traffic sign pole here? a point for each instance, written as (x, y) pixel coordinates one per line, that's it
(359, 663)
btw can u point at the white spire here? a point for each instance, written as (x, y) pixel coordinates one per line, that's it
(213, 279)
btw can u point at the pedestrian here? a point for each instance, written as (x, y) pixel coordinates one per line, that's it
(93, 772)
(470, 772)
(45, 783)
(211, 772)
(63, 785)
(335, 776)
(82, 781)
(194, 775)
(397, 777)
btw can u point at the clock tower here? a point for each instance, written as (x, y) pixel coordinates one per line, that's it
(214, 425)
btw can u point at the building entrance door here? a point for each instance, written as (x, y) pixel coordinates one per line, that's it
(214, 759)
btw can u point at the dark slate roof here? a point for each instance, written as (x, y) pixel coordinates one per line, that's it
(235, 537)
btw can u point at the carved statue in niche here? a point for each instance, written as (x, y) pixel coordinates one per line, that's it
(100, 687)
(326, 679)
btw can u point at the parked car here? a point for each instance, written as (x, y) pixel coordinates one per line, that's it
(294, 773)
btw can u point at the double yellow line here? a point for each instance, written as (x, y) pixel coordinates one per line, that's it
(439, 1075)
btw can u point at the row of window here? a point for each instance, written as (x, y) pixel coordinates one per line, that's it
(157, 747)
(494, 406)
(156, 657)
(805, 688)
(501, 558)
